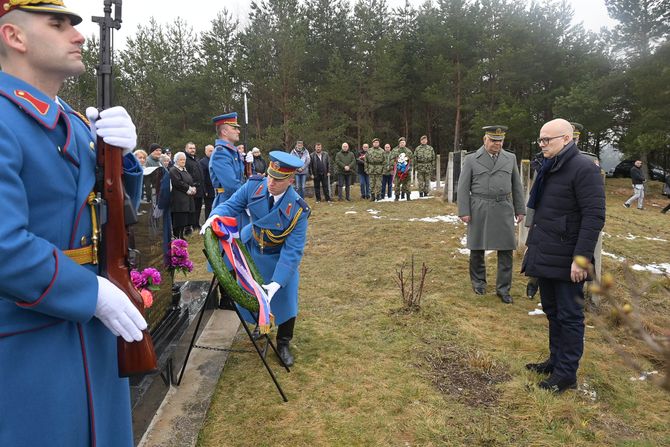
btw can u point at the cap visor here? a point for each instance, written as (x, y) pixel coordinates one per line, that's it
(54, 9)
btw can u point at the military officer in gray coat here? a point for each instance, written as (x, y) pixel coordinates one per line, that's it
(490, 200)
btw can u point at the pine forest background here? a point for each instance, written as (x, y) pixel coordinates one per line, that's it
(334, 71)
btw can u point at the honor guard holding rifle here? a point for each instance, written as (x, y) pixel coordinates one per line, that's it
(275, 238)
(490, 201)
(59, 320)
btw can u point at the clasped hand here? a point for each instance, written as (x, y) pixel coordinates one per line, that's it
(114, 126)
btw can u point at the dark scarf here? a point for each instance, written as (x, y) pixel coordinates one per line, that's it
(536, 190)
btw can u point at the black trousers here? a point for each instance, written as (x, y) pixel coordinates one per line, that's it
(343, 180)
(563, 302)
(208, 206)
(504, 276)
(321, 181)
(195, 216)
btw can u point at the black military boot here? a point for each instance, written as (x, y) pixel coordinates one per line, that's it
(408, 199)
(372, 198)
(284, 336)
(284, 351)
(396, 198)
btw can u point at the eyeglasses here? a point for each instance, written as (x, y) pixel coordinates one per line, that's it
(546, 140)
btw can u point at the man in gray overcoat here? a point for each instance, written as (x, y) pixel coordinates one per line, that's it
(490, 200)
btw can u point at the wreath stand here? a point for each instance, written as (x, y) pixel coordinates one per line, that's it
(260, 351)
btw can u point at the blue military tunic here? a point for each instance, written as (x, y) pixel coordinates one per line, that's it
(226, 169)
(278, 262)
(59, 381)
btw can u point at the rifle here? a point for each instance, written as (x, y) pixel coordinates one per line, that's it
(134, 358)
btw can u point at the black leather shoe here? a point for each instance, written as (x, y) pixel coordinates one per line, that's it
(285, 353)
(479, 290)
(506, 298)
(558, 385)
(545, 367)
(531, 289)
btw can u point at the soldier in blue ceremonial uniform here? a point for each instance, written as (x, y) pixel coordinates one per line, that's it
(59, 320)
(275, 238)
(226, 166)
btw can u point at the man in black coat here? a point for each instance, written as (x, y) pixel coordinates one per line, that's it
(320, 170)
(568, 197)
(207, 187)
(193, 168)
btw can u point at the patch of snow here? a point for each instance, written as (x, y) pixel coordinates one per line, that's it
(536, 312)
(448, 219)
(643, 376)
(613, 256)
(657, 269)
(588, 392)
(373, 212)
(632, 237)
(350, 212)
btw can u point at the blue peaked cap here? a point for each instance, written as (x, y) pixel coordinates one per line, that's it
(226, 118)
(282, 165)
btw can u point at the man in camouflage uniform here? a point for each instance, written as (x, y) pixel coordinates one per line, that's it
(374, 166)
(401, 179)
(424, 156)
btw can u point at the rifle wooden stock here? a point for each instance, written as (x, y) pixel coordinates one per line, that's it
(134, 358)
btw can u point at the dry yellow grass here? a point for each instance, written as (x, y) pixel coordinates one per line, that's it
(363, 377)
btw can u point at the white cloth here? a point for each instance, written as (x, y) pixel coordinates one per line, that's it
(249, 158)
(114, 126)
(116, 312)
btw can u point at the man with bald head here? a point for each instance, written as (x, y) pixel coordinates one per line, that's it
(568, 197)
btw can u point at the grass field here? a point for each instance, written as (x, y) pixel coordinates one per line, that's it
(452, 373)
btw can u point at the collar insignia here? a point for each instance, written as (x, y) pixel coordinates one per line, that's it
(41, 106)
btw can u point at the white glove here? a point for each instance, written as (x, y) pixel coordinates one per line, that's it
(191, 190)
(208, 223)
(249, 158)
(271, 289)
(114, 126)
(116, 312)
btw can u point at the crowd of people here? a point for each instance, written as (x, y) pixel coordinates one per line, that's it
(381, 173)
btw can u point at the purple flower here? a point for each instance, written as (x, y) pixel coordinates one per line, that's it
(180, 243)
(152, 276)
(136, 278)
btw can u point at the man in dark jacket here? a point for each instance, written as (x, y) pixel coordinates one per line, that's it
(568, 197)
(320, 170)
(193, 168)
(637, 177)
(207, 187)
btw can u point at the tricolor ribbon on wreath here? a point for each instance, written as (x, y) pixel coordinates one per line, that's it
(225, 229)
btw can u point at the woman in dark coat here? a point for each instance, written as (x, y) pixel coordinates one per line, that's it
(181, 198)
